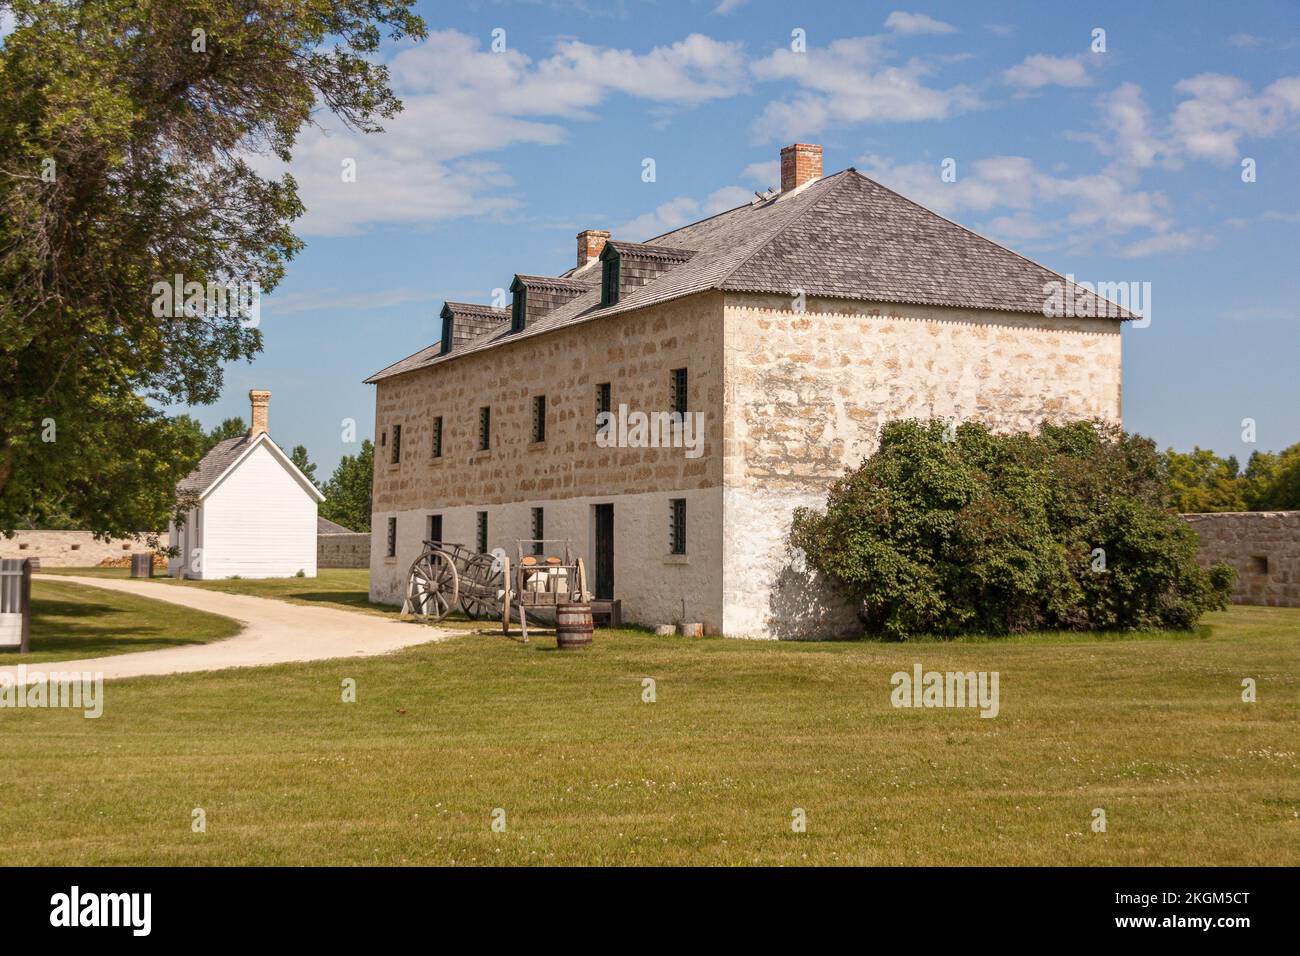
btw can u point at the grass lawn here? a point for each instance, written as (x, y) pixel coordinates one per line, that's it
(1153, 731)
(71, 621)
(345, 588)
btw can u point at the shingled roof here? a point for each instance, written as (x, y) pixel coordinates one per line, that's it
(224, 454)
(844, 236)
(213, 465)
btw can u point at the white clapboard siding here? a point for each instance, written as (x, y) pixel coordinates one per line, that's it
(258, 522)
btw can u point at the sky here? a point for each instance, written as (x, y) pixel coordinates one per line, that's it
(1114, 156)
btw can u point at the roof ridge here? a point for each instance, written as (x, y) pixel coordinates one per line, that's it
(980, 235)
(724, 279)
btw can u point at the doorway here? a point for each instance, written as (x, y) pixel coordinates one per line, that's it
(604, 585)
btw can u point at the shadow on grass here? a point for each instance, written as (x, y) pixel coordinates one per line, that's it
(90, 629)
(352, 599)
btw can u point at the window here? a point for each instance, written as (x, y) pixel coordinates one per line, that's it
(1259, 564)
(539, 418)
(602, 405)
(392, 538)
(680, 382)
(437, 437)
(397, 444)
(677, 531)
(482, 532)
(448, 325)
(609, 279)
(485, 428)
(539, 530)
(519, 307)
(435, 528)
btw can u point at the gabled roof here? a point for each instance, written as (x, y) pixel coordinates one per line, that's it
(325, 526)
(844, 236)
(642, 250)
(225, 456)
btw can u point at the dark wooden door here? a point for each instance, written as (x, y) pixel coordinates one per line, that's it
(605, 552)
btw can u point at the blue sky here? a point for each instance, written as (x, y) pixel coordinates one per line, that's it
(1123, 165)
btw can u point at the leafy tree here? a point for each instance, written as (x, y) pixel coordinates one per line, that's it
(229, 428)
(976, 532)
(1272, 480)
(126, 132)
(1202, 481)
(304, 464)
(347, 493)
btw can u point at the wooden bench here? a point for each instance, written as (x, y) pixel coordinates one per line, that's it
(607, 613)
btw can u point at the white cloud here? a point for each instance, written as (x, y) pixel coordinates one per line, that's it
(678, 212)
(1073, 212)
(727, 6)
(1219, 110)
(7, 23)
(328, 300)
(763, 174)
(852, 81)
(1001, 29)
(912, 24)
(1169, 242)
(1127, 133)
(1041, 70)
(462, 101)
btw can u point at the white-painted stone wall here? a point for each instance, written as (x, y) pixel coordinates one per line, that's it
(649, 581)
(805, 396)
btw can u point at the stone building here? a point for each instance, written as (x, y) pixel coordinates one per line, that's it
(790, 329)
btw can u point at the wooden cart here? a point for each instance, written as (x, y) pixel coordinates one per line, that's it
(547, 574)
(446, 574)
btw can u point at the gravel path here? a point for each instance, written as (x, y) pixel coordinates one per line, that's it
(275, 632)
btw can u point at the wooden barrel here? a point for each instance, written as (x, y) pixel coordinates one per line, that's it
(142, 565)
(573, 625)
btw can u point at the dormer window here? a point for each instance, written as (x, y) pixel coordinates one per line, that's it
(627, 266)
(519, 307)
(609, 277)
(448, 325)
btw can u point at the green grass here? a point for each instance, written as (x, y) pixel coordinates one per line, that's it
(1154, 731)
(71, 621)
(344, 588)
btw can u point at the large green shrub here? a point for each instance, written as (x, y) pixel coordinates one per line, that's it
(955, 531)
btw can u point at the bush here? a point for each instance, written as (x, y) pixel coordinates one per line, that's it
(963, 531)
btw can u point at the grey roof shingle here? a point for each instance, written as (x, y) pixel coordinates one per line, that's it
(219, 457)
(844, 236)
(325, 526)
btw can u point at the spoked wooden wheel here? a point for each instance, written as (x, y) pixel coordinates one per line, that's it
(431, 586)
(482, 588)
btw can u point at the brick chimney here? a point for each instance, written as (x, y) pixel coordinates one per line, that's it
(260, 399)
(590, 242)
(800, 163)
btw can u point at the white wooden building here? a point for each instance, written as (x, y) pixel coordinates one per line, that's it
(253, 514)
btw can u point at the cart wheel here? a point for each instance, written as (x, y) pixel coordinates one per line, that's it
(431, 586)
(484, 587)
(584, 595)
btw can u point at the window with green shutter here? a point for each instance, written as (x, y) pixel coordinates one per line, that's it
(519, 307)
(680, 383)
(539, 418)
(677, 526)
(609, 279)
